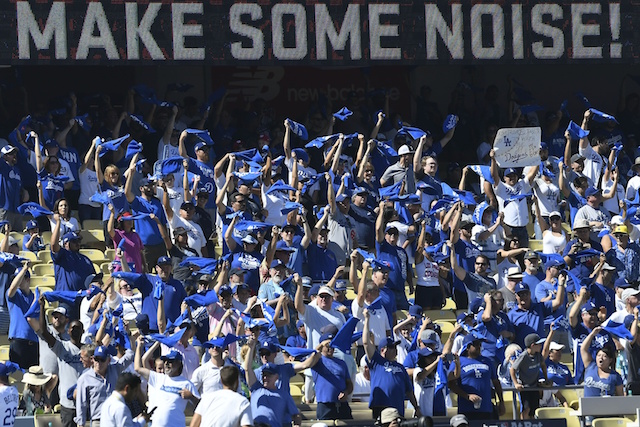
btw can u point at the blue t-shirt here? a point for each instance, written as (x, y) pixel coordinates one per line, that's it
(466, 254)
(576, 201)
(365, 221)
(578, 334)
(71, 155)
(285, 373)
(36, 246)
(604, 297)
(499, 322)
(476, 377)
(388, 300)
(296, 258)
(147, 228)
(71, 269)
(530, 321)
(7, 272)
(18, 306)
(10, 186)
(545, 289)
(174, 294)
(323, 262)
(397, 257)
(271, 407)
(330, 377)
(594, 385)
(207, 177)
(390, 383)
(250, 262)
(118, 199)
(558, 373)
(411, 359)
(532, 281)
(296, 341)
(52, 187)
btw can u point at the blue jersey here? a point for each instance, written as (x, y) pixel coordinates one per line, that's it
(330, 377)
(499, 323)
(207, 179)
(271, 407)
(530, 321)
(52, 187)
(250, 262)
(10, 186)
(578, 334)
(118, 199)
(390, 383)
(558, 373)
(72, 157)
(476, 377)
(147, 228)
(285, 373)
(19, 303)
(545, 289)
(532, 281)
(397, 257)
(595, 385)
(323, 262)
(71, 269)
(466, 254)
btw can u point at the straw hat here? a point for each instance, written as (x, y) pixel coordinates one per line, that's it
(36, 376)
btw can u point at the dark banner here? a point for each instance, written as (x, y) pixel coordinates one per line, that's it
(324, 33)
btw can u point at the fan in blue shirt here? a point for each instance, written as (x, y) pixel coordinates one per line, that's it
(390, 383)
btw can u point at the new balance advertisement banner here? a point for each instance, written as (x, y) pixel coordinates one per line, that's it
(314, 32)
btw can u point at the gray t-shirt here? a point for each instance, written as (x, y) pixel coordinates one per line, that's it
(47, 359)
(341, 234)
(396, 173)
(69, 369)
(527, 367)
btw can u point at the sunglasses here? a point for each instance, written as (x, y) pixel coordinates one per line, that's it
(481, 263)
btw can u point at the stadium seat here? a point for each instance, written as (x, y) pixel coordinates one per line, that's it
(296, 393)
(446, 325)
(104, 267)
(4, 352)
(43, 270)
(110, 254)
(40, 281)
(535, 245)
(440, 314)
(89, 224)
(450, 304)
(98, 233)
(46, 237)
(94, 255)
(560, 412)
(31, 256)
(48, 420)
(45, 256)
(90, 241)
(610, 422)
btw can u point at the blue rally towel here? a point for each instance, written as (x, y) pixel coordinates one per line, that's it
(576, 131)
(298, 129)
(342, 339)
(202, 300)
(343, 114)
(34, 209)
(296, 351)
(170, 341)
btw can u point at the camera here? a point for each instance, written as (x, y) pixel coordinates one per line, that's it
(417, 422)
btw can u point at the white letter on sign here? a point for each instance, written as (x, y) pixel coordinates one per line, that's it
(435, 24)
(56, 26)
(497, 29)
(104, 40)
(554, 33)
(141, 30)
(182, 30)
(378, 30)
(349, 29)
(237, 27)
(579, 30)
(277, 29)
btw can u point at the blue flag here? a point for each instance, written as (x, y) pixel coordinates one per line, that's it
(251, 155)
(133, 148)
(561, 323)
(313, 179)
(290, 207)
(298, 129)
(83, 122)
(221, 342)
(576, 131)
(34, 309)
(71, 297)
(202, 300)
(413, 132)
(392, 190)
(171, 165)
(34, 209)
(369, 257)
(342, 339)
(170, 341)
(483, 171)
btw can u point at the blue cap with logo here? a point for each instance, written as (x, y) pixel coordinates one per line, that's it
(172, 355)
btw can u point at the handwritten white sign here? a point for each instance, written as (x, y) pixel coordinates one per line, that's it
(517, 147)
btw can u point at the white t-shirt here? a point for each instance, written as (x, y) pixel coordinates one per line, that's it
(224, 408)
(66, 225)
(65, 170)
(207, 378)
(378, 322)
(176, 197)
(302, 173)
(196, 239)
(490, 246)
(9, 399)
(547, 194)
(612, 204)
(428, 273)
(424, 390)
(516, 212)
(593, 164)
(167, 150)
(88, 187)
(171, 406)
(552, 244)
(273, 203)
(632, 187)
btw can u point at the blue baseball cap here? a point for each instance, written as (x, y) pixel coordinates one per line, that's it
(299, 324)
(268, 346)
(592, 191)
(521, 287)
(103, 352)
(225, 289)
(552, 262)
(270, 368)
(415, 310)
(544, 146)
(471, 338)
(387, 342)
(31, 225)
(510, 171)
(276, 263)
(71, 235)
(426, 352)
(240, 286)
(380, 266)
(201, 146)
(588, 306)
(341, 197)
(249, 239)
(463, 316)
(164, 260)
(341, 285)
(172, 355)
(314, 289)
(474, 305)
(326, 336)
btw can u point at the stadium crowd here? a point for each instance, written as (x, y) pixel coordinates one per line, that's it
(326, 246)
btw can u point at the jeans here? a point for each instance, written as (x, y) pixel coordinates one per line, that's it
(23, 352)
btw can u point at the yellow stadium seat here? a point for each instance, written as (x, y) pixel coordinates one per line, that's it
(450, 304)
(44, 289)
(48, 420)
(43, 270)
(104, 268)
(440, 314)
(446, 326)
(31, 256)
(535, 245)
(559, 412)
(110, 254)
(94, 255)
(90, 241)
(44, 256)
(98, 233)
(4, 353)
(89, 224)
(39, 281)
(296, 393)
(610, 422)
(46, 237)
